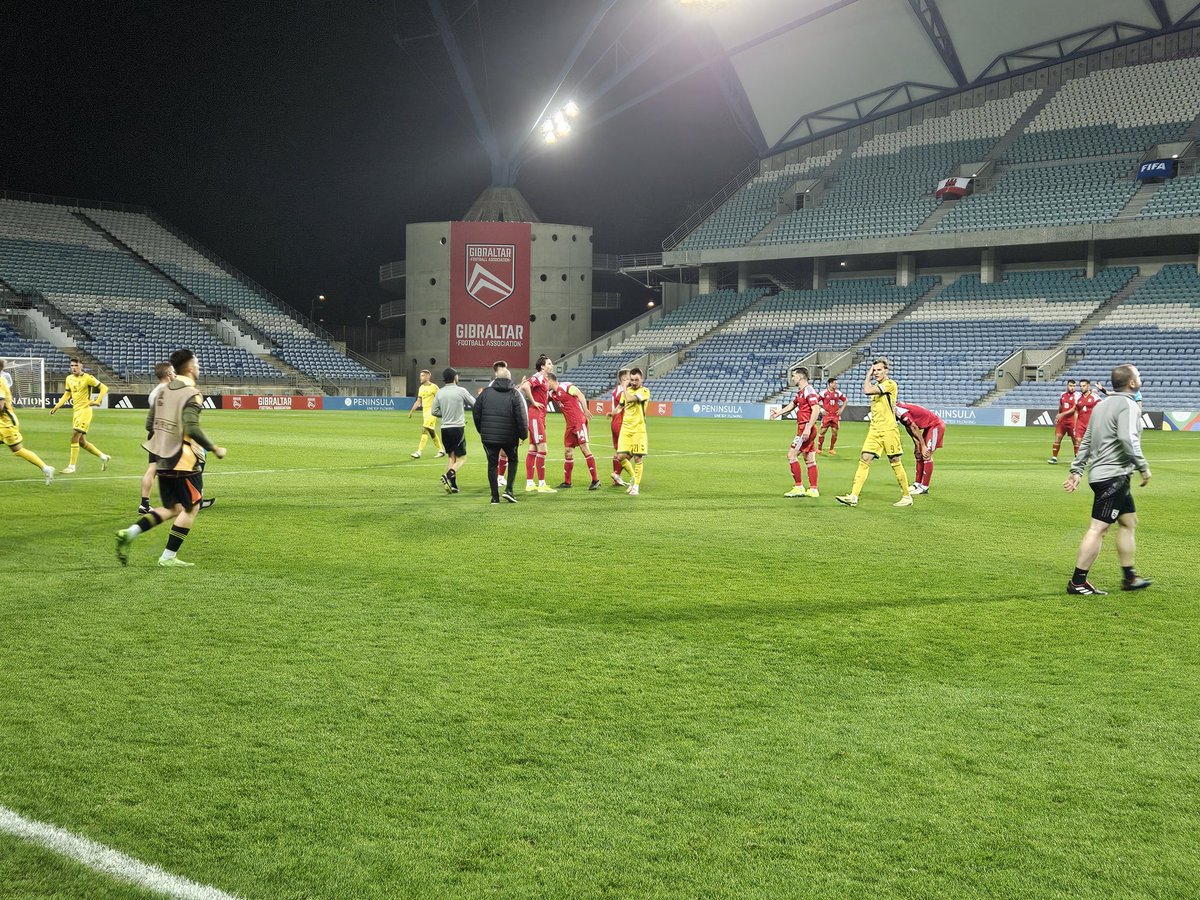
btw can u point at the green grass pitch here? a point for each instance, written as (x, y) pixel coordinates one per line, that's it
(367, 688)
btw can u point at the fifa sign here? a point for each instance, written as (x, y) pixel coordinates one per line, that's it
(489, 293)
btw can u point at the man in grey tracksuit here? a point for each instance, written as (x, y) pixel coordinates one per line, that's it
(450, 405)
(1113, 446)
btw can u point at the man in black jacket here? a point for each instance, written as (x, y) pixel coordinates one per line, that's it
(502, 423)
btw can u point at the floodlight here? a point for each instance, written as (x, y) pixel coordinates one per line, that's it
(548, 126)
(550, 137)
(571, 109)
(561, 126)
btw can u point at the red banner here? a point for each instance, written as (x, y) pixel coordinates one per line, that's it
(256, 401)
(489, 294)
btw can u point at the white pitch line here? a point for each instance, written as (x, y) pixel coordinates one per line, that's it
(105, 860)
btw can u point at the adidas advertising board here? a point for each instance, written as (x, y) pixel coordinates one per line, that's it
(1043, 418)
(128, 401)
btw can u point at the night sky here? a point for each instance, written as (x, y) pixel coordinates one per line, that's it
(297, 140)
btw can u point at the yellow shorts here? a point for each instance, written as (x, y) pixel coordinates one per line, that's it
(883, 444)
(10, 434)
(81, 419)
(431, 423)
(632, 442)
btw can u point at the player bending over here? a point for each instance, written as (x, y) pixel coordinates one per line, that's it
(573, 405)
(927, 431)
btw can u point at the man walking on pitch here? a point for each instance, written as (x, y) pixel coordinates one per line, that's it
(425, 395)
(165, 375)
(10, 429)
(179, 447)
(573, 405)
(633, 444)
(1113, 447)
(1064, 421)
(78, 390)
(883, 435)
(807, 404)
(450, 406)
(833, 401)
(499, 415)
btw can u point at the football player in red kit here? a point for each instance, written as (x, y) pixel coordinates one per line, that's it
(807, 404)
(1088, 399)
(1064, 421)
(572, 403)
(616, 416)
(833, 402)
(537, 394)
(928, 431)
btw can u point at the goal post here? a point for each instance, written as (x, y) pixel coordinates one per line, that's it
(28, 380)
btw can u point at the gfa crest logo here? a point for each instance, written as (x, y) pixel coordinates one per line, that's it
(491, 272)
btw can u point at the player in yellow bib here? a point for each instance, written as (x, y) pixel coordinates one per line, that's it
(632, 443)
(883, 435)
(10, 430)
(79, 391)
(429, 423)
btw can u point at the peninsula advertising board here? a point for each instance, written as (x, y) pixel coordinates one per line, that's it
(489, 294)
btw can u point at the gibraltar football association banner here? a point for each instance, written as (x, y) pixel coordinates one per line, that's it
(489, 294)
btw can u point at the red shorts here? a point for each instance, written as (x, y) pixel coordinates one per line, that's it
(1080, 431)
(1063, 428)
(575, 436)
(830, 422)
(933, 437)
(537, 427)
(802, 446)
(616, 430)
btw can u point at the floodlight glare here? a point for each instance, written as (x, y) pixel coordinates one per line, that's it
(550, 137)
(548, 126)
(561, 126)
(571, 109)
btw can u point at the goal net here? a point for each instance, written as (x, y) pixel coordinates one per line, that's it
(28, 385)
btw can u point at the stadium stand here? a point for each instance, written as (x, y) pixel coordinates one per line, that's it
(13, 344)
(752, 207)
(748, 359)
(1175, 199)
(945, 352)
(1114, 111)
(672, 332)
(1158, 327)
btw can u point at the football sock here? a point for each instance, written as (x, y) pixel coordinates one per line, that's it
(424, 441)
(860, 477)
(616, 465)
(928, 472)
(91, 448)
(74, 454)
(901, 477)
(920, 470)
(591, 464)
(530, 463)
(1128, 572)
(145, 501)
(541, 467)
(568, 468)
(833, 438)
(30, 456)
(627, 468)
(145, 523)
(175, 540)
(637, 472)
(797, 472)
(502, 465)
(812, 476)
(1080, 576)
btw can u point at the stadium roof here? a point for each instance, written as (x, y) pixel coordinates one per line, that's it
(803, 65)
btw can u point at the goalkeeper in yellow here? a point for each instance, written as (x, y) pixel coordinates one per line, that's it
(79, 392)
(883, 436)
(10, 430)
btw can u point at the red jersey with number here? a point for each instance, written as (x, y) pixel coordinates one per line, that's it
(1066, 404)
(540, 390)
(833, 402)
(920, 416)
(569, 405)
(1084, 408)
(618, 407)
(807, 401)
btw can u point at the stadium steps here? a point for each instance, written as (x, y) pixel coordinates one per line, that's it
(942, 210)
(931, 294)
(1010, 137)
(1143, 195)
(304, 382)
(194, 307)
(768, 229)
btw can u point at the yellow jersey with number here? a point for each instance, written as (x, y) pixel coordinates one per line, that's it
(79, 389)
(883, 407)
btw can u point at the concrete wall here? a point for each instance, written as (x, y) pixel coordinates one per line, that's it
(560, 299)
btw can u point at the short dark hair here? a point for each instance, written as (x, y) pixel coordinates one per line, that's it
(161, 370)
(76, 359)
(1070, 381)
(636, 370)
(181, 358)
(1121, 376)
(801, 370)
(1084, 381)
(541, 361)
(499, 364)
(833, 380)
(448, 375)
